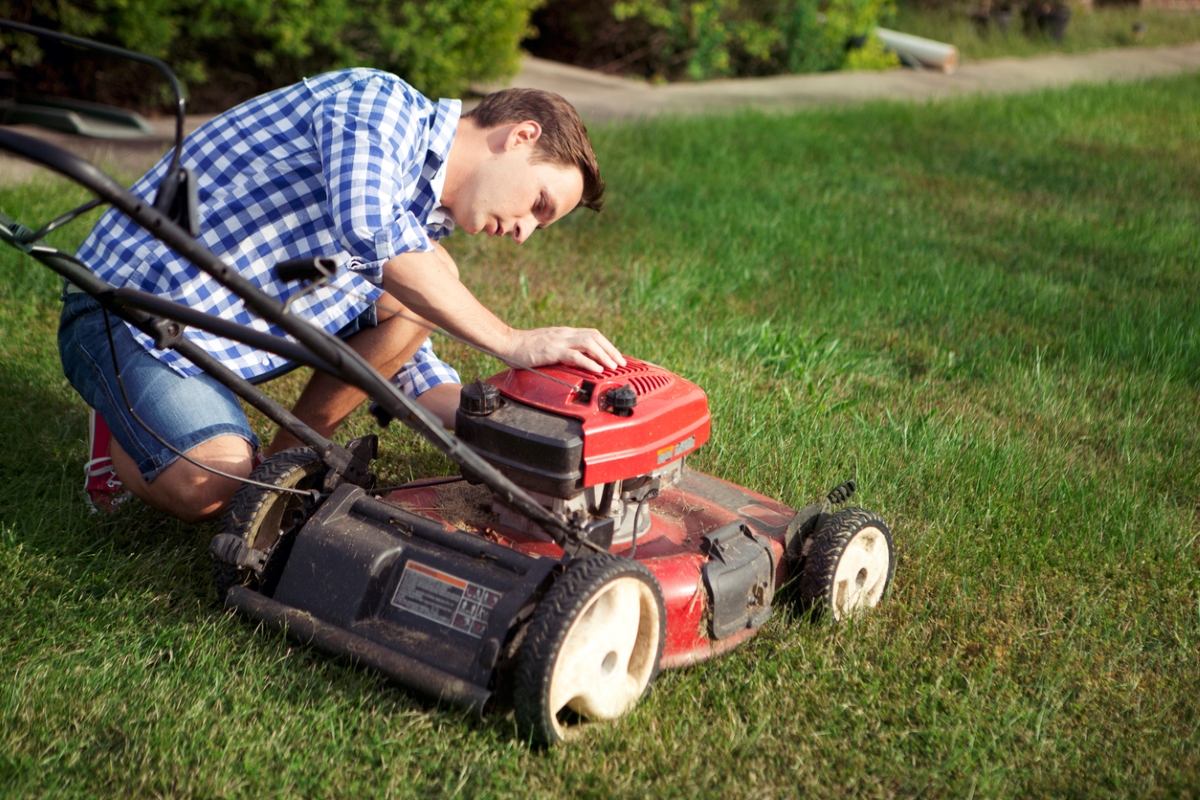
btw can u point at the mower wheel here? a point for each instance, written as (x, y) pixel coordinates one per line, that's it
(591, 650)
(260, 516)
(848, 563)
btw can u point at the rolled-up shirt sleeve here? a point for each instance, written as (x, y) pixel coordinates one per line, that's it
(423, 372)
(362, 137)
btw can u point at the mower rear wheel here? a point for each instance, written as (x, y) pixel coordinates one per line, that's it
(260, 516)
(591, 650)
(848, 564)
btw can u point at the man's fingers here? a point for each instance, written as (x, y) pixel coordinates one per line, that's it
(613, 352)
(601, 350)
(581, 347)
(578, 359)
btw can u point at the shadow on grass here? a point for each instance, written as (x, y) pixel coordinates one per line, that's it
(138, 569)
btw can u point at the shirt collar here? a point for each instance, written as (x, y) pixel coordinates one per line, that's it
(441, 136)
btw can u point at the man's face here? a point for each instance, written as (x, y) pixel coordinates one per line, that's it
(508, 195)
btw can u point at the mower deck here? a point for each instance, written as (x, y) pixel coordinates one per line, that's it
(675, 550)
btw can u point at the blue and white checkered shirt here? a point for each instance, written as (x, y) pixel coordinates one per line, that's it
(348, 165)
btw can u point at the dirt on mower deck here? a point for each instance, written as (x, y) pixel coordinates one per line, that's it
(601, 98)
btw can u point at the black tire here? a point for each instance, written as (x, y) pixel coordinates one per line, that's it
(844, 568)
(580, 637)
(260, 516)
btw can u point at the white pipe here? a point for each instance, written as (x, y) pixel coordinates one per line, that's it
(935, 55)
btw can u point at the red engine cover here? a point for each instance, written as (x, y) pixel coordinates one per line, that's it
(670, 419)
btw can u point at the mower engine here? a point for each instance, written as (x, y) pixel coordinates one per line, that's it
(586, 445)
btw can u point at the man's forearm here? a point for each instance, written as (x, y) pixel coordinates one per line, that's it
(428, 285)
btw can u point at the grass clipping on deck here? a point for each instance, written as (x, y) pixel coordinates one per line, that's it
(465, 506)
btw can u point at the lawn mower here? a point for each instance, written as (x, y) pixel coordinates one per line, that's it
(573, 557)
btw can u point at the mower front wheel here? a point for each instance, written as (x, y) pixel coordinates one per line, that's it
(592, 648)
(260, 516)
(848, 563)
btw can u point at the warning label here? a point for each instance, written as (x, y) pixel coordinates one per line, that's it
(445, 599)
(668, 453)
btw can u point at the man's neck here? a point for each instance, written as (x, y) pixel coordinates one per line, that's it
(466, 153)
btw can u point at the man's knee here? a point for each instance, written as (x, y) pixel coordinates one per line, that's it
(193, 493)
(205, 498)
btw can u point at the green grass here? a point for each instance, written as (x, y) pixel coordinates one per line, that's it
(1087, 31)
(983, 310)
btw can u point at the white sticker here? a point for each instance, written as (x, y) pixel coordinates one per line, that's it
(445, 599)
(669, 453)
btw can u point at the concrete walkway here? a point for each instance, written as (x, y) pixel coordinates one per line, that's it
(602, 98)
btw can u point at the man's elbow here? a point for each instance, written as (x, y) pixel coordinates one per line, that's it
(447, 260)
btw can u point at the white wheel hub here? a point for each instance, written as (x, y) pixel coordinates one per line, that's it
(607, 656)
(862, 573)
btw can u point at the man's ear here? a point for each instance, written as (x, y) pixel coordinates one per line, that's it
(522, 134)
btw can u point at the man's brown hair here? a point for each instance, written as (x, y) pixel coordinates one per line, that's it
(564, 140)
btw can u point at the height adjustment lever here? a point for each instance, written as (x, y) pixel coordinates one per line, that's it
(309, 268)
(177, 199)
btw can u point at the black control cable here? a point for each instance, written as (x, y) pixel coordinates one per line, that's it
(313, 494)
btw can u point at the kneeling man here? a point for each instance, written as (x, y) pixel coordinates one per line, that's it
(353, 165)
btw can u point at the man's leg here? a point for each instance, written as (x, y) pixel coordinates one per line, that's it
(183, 489)
(327, 401)
(196, 415)
(443, 401)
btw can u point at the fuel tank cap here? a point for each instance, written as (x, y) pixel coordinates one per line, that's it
(622, 400)
(479, 398)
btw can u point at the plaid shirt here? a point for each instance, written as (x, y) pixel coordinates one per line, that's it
(348, 165)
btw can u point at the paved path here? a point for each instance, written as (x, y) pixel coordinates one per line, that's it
(601, 98)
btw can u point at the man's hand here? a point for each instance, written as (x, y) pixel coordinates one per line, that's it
(428, 285)
(580, 347)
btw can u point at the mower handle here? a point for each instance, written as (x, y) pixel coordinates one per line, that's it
(347, 364)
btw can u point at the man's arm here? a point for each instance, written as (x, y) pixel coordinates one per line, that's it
(428, 285)
(443, 401)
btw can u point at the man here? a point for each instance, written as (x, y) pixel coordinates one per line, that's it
(354, 165)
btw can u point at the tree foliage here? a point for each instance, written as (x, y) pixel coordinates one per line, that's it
(229, 49)
(700, 39)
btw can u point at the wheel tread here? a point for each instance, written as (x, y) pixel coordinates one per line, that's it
(249, 502)
(548, 629)
(828, 545)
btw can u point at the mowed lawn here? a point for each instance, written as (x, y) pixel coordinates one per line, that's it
(985, 311)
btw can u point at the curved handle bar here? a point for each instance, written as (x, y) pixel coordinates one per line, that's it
(180, 102)
(349, 365)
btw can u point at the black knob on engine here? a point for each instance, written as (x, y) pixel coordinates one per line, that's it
(479, 398)
(622, 400)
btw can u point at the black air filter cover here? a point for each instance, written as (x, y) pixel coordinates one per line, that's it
(535, 449)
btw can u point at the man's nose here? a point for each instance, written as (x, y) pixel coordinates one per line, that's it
(524, 228)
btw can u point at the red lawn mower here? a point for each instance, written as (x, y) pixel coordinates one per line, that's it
(574, 557)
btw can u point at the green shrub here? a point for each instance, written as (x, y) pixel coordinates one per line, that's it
(711, 38)
(845, 19)
(230, 49)
(703, 36)
(871, 56)
(443, 45)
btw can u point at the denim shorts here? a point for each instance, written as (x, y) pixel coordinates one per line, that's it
(186, 412)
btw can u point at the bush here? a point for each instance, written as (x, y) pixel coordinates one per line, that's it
(698, 39)
(227, 50)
